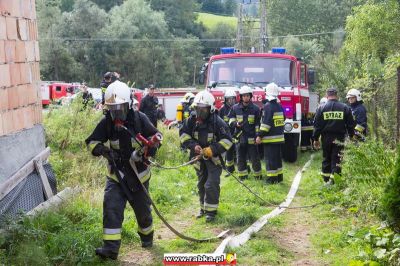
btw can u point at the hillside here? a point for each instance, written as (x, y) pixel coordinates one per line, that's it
(211, 20)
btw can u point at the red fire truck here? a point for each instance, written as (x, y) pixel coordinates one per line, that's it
(232, 69)
(53, 91)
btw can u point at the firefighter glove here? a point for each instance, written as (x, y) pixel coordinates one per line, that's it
(207, 152)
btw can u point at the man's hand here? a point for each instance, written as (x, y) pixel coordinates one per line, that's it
(197, 149)
(317, 144)
(238, 125)
(207, 152)
(258, 140)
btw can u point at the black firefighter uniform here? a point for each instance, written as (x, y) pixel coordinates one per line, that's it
(272, 136)
(230, 154)
(332, 122)
(213, 133)
(122, 144)
(249, 117)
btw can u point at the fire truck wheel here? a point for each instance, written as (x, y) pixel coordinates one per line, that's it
(289, 149)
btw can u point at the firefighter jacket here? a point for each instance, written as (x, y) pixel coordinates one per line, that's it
(273, 120)
(334, 118)
(103, 87)
(123, 144)
(186, 110)
(213, 133)
(149, 106)
(224, 113)
(249, 117)
(360, 116)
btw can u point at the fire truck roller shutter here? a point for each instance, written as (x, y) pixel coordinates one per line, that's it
(289, 148)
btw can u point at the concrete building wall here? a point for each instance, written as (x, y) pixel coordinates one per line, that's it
(21, 132)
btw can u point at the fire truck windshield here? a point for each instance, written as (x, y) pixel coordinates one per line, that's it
(256, 71)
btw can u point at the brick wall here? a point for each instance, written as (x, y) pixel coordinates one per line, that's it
(20, 105)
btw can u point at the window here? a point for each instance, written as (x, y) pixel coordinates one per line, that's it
(58, 88)
(303, 75)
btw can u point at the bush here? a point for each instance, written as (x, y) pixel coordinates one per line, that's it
(366, 168)
(391, 197)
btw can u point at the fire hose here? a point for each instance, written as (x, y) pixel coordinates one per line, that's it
(146, 144)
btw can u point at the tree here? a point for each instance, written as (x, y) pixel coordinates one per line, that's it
(180, 16)
(224, 36)
(107, 4)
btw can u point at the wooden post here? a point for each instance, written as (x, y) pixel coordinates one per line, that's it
(45, 181)
(375, 104)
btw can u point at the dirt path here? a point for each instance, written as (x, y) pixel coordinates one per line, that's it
(295, 236)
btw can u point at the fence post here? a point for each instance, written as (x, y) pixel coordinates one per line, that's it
(398, 105)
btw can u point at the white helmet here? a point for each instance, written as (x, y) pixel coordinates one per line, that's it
(271, 91)
(229, 93)
(117, 93)
(245, 89)
(204, 99)
(354, 93)
(186, 98)
(323, 101)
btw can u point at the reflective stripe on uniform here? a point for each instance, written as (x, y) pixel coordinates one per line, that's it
(231, 120)
(257, 173)
(210, 207)
(196, 135)
(196, 165)
(250, 118)
(303, 148)
(326, 174)
(93, 144)
(226, 143)
(230, 163)
(274, 172)
(210, 137)
(184, 137)
(265, 127)
(251, 141)
(111, 233)
(273, 139)
(359, 128)
(307, 128)
(242, 173)
(146, 230)
(239, 118)
(226, 118)
(278, 115)
(114, 144)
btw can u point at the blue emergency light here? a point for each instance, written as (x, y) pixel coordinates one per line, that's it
(227, 50)
(278, 50)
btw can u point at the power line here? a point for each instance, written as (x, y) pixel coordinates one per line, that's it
(179, 40)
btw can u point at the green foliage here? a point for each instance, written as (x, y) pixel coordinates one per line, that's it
(391, 197)
(366, 168)
(306, 50)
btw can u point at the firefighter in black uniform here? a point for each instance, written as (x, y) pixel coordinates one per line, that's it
(207, 135)
(332, 122)
(124, 153)
(230, 100)
(245, 118)
(149, 105)
(271, 134)
(108, 78)
(187, 104)
(307, 127)
(359, 113)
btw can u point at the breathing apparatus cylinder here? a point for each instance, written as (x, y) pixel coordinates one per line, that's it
(179, 112)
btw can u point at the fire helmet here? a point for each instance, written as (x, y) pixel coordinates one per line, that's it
(354, 93)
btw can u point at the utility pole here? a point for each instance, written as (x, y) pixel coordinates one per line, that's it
(239, 33)
(263, 26)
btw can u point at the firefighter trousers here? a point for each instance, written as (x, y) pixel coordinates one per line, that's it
(230, 159)
(332, 146)
(273, 162)
(209, 177)
(305, 142)
(113, 214)
(248, 151)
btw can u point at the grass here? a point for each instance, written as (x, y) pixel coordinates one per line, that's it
(210, 20)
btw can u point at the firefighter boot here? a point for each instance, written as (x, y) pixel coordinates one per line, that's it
(105, 253)
(147, 240)
(200, 214)
(272, 180)
(279, 178)
(210, 216)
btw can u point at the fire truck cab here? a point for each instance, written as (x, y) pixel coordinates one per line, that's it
(232, 69)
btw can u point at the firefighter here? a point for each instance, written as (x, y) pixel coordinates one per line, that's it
(86, 96)
(108, 78)
(229, 101)
(187, 103)
(149, 105)
(332, 122)
(271, 134)
(124, 154)
(359, 112)
(205, 133)
(160, 113)
(307, 127)
(245, 119)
